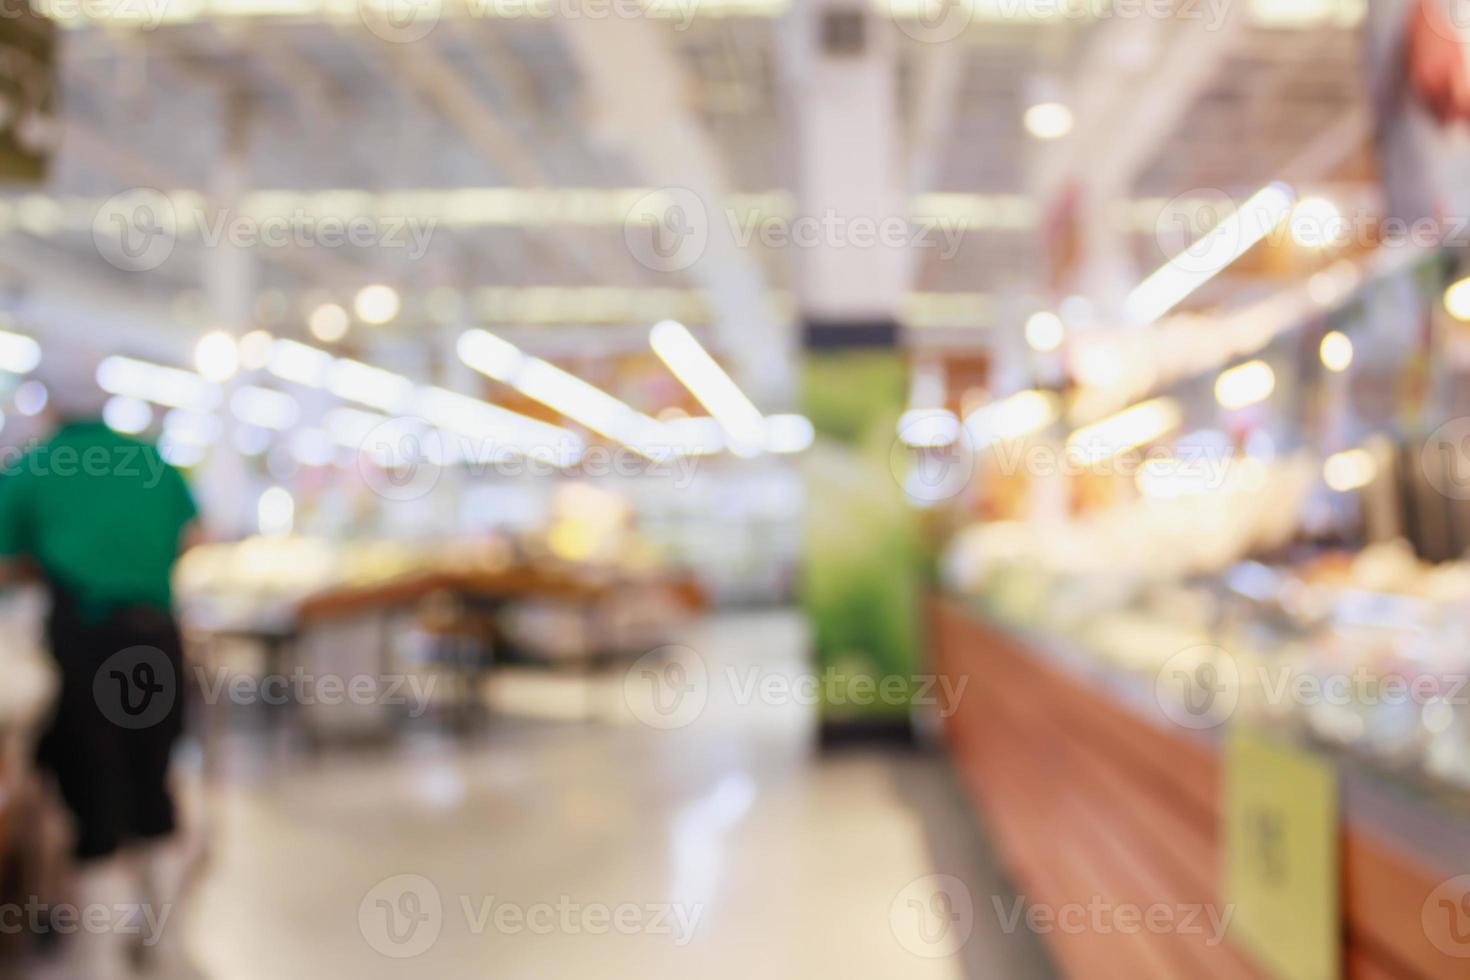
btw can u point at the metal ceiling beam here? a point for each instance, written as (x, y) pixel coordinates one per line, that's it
(1125, 118)
(638, 90)
(940, 72)
(58, 296)
(139, 171)
(444, 90)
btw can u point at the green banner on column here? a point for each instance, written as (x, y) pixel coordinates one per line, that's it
(864, 556)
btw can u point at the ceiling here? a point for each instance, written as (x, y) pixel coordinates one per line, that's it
(487, 137)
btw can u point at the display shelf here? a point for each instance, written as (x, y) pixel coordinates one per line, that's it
(1090, 794)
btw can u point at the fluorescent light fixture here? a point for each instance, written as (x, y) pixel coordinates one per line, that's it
(1129, 429)
(313, 447)
(265, 408)
(170, 386)
(1044, 332)
(565, 392)
(127, 415)
(251, 440)
(1048, 120)
(1456, 300)
(217, 356)
(709, 383)
(192, 428)
(275, 512)
(1099, 364)
(697, 436)
(490, 355)
(1336, 351)
(293, 361)
(255, 350)
(492, 424)
(787, 434)
(1245, 384)
(374, 386)
(589, 405)
(1215, 250)
(1315, 223)
(1018, 415)
(1173, 478)
(328, 323)
(19, 354)
(376, 303)
(350, 427)
(178, 453)
(1349, 470)
(928, 428)
(31, 398)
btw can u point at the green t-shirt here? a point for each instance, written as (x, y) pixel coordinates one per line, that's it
(100, 513)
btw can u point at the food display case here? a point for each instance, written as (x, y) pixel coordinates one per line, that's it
(1248, 542)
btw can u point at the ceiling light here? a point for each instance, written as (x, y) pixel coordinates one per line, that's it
(710, 385)
(19, 354)
(156, 383)
(376, 303)
(250, 440)
(265, 408)
(293, 361)
(700, 436)
(495, 426)
(255, 350)
(313, 447)
(1099, 365)
(1315, 223)
(490, 355)
(1336, 351)
(192, 428)
(1245, 384)
(275, 512)
(351, 428)
(928, 428)
(560, 390)
(1048, 120)
(31, 398)
(328, 323)
(1201, 261)
(1349, 470)
(359, 382)
(127, 415)
(1018, 415)
(1129, 429)
(1456, 300)
(789, 434)
(216, 356)
(1044, 331)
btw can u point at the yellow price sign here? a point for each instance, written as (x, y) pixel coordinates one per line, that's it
(1281, 856)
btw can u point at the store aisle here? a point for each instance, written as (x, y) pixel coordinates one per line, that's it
(608, 848)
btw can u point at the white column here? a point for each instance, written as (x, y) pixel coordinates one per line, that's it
(841, 66)
(228, 494)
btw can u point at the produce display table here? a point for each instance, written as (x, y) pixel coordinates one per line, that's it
(1090, 797)
(407, 590)
(457, 624)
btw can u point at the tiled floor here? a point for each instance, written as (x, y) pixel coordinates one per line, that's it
(610, 848)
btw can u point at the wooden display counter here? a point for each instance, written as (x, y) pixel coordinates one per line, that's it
(513, 583)
(1088, 800)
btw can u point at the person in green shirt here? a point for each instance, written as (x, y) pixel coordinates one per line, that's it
(101, 519)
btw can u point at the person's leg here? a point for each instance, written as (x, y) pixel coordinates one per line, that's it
(162, 856)
(81, 751)
(166, 868)
(96, 951)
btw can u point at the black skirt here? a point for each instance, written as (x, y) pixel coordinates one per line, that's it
(119, 712)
